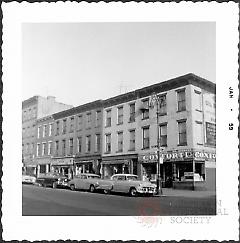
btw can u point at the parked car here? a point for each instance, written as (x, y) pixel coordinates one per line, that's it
(90, 182)
(129, 183)
(50, 180)
(28, 179)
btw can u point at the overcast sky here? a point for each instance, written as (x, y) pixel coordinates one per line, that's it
(82, 62)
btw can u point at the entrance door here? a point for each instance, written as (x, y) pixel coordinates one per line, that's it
(168, 167)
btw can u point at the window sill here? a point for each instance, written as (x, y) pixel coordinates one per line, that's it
(180, 110)
(145, 148)
(146, 118)
(182, 144)
(131, 150)
(131, 121)
(107, 126)
(119, 124)
(107, 152)
(162, 114)
(198, 110)
(119, 151)
(200, 144)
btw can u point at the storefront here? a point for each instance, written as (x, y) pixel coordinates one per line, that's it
(63, 166)
(118, 165)
(43, 165)
(176, 166)
(87, 165)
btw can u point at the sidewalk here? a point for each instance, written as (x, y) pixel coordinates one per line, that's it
(187, 193)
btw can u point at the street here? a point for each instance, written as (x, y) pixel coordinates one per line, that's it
(47, 201)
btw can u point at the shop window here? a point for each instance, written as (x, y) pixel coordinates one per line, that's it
(182, 133)
(162, 105)
(71, 146)
(97, 148)
(132, 140)
(79, 144)
(64, 147)
(108, 143)
(181, 100)
(49, 148)
(108, 118)
(146, 142)
(163, 135)
(120, 115)
(145, 109)
(120, 141)
(71, 124)
(132, 112)
(64, 129)
(88, 143)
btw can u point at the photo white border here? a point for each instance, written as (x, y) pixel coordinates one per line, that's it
(221, 227)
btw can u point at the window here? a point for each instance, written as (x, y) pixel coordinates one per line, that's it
(32, 148)
(198, 100)
(108, 143)
(27, 146)
(146, 138)
(64, 147)
(132, 140)
(97, 147)
(182, 133)
(132, 112)
(64, 128)
(162, 105)
(199, 133)
(56, 147)
(120, 141)
(181, 102)
(108, 118)
(145, 110)
(38, 133)
(163, 135)
(79, 139)
(57, 128)
(71, 146)
(44, 130)
(120, 115)
(44, 149)
(38, 149)
(50, 129)
(89, 117)
(88, 143)
(80, 122)
(98, 118)
(49, 148)
(71, 124)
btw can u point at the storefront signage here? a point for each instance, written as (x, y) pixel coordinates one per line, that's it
(210, 133)
(68, 161)
(177, 155)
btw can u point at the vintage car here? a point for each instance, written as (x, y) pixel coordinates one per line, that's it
(128, 183)
(28, 179)
(90, 182)
(52, 180)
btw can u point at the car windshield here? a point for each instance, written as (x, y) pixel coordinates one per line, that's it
(132, 178)
(93, 176)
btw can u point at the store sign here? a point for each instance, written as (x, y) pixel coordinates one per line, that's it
(178, 155)
(68, 161)
(210, 133)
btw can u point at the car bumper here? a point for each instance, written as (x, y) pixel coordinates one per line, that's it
(146, 190)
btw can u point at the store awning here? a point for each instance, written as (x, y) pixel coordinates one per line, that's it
(114, 162)
(83, 161)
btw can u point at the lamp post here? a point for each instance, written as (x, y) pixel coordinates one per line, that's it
(155, 100)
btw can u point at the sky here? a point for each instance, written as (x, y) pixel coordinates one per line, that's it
(82, 62)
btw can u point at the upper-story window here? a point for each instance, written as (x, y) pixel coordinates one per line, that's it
(44, 130)
(146, 139)
(163, 135)
(162, 105)
(182, 133)
(80, 122)
(181, 100)
(145, 110)
(44, 149)
(79, 141)
(132, 112)
(108, 143)
(57, 127)
(98, 118)
(198, 100)
(38, 149)
(49, 147)
(108, 118)
(199, 132)
(50, 129)
(132, 140)
(88, 143)
(97, 147)
(120, 115)
(64, 147)
(56, 147)
(89, 119)
(120, 141)
(38, 132)
(71, 146)
(71, 124)
(64, 128)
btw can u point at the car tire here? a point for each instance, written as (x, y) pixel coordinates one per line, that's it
(92, 188)
(133, 192)
(106, 191)
(72, 187)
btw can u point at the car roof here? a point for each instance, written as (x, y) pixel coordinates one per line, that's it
(124, 175)
(88, 174)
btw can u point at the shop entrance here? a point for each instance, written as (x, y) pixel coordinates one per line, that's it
(149, 171)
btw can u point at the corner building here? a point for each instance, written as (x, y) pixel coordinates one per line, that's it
(186, 127)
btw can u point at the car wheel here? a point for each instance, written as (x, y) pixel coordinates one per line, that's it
(92, 188)
(54, 185)
(133, 192)
(106, 191)
(72, 187)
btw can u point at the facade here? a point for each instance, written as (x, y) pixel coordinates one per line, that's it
(32, 109)
(77, 139)
(186, 128)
